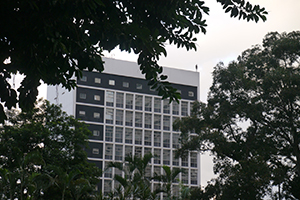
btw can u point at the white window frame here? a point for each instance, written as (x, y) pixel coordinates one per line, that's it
(97, 97)
(97, 80)
(111, 82)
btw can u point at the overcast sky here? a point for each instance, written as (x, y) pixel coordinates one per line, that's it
(225, 40)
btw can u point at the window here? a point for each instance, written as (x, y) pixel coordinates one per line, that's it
(107, 186)
(97, 97)
(109, 133)
(173, 120)
(176, 191)
(139, 86)
(148, 172)
(184, 108)
(95, 151)
(166, 106)
(129, 101)
(157, 105)
(118, 152)
(147, 138)
(175, 108)
(148, 103)
(138, 136)
(83, 78)
(184, 161)
(175, 140)
(138, 151)
(108, 151)
(157, 171)
(147, 151)
(119, 173)
(108, 172)
(157, 123)
(191, 94)
(119, 117)
(128, 118)
(109, 98)
(128, 135)
(125, 84)
(82, 96)
(166, 140)
(166, 157)
(157, 138)
(175, 160)
(81, 113)
(138, 119)
(194, 175)
(97, 80)
(111, 82)
(193, 159)
(119, 100)
(109, 117)
(157, 156)
(152, 89)
(184, 178)
(166, 123)
(138, 102)
(96, 115)
(148, 120)
(96, 132)
(119, 134)
(128, 150)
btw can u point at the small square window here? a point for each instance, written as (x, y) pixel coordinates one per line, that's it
(125, 84)
(97, 97)
(152, 89)
(95, 151)
(96, 115)
(82, 96)
(111, 82)
(98, 80)
(139, 86)
(191, 94)
(83, 78)
(96, 132)
(82, 113)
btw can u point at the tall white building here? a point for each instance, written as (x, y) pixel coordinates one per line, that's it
(126, 116)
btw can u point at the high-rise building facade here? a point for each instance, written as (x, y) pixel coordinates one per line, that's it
(126, 116)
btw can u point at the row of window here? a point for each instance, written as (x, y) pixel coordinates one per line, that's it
(140, 102)
(108, 186)
(138, 86)
(136, 119)
(146, 103)
(161, 156)
(157, 170)
(136, 136)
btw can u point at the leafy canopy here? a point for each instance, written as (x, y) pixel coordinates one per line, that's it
(261, 90)
(53, 41)
(42, 156)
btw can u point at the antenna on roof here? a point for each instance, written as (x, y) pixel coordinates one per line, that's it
(196, 68)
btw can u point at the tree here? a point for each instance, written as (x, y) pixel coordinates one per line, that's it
(260, 89)
(53, 41)
(42, 156)
(168, 177)
(135, 184)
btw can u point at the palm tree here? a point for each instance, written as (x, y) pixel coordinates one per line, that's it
(134, 184)
(168, 178)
